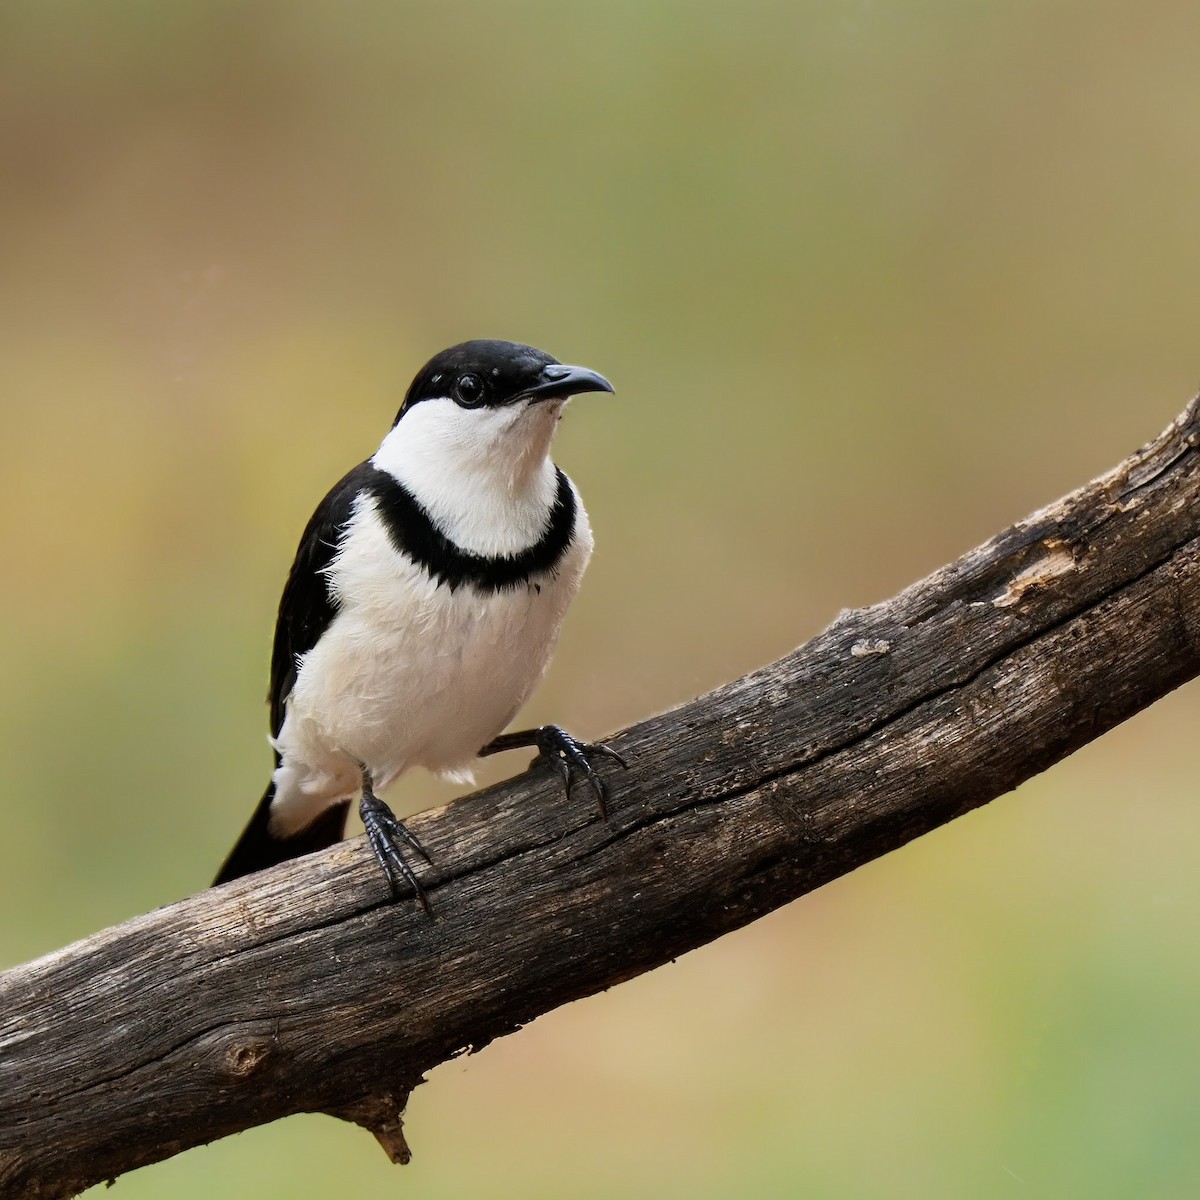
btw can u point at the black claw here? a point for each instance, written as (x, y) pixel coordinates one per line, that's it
(382, 831)
(568, 755)
(561, 765)
(558, 749)
(398, 829)
(608, 751)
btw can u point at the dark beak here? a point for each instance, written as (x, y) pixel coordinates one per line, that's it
(557, 381)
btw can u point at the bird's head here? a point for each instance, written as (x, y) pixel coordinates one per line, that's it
(486, 406)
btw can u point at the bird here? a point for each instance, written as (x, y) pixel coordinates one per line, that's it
(423, 607)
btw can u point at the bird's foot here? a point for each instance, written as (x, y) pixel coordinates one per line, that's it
(384, 830)
(565, 754)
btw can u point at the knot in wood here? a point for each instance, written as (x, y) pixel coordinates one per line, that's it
(244, 1058)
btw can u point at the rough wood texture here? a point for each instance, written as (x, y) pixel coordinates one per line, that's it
(304, 988)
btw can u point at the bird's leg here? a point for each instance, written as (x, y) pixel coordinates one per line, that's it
(567, 755)
(383, 830)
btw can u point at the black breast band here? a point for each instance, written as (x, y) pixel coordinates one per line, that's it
(412, 532)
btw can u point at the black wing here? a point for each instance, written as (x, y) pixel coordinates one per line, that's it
(305, 612)
(306, 607)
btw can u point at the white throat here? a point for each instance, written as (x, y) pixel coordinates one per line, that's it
(484, 476)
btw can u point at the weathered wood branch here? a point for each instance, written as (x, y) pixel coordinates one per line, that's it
(306, 989)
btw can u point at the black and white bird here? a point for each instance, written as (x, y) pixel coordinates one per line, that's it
(423, 606)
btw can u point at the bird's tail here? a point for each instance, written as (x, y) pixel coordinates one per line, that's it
(259, 848)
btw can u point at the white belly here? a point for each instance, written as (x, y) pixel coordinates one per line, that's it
(411, 673)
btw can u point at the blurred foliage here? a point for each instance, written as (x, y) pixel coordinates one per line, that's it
(873, 280)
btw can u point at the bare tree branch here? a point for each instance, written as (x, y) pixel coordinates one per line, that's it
(306, 989)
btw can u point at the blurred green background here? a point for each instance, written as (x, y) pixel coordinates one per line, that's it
(872, 279)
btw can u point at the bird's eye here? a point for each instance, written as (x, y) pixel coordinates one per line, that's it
(469, 390)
